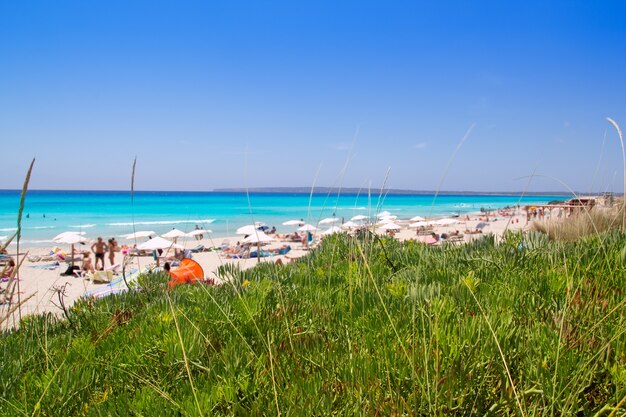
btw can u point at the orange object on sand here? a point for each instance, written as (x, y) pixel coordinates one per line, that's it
(188, 272)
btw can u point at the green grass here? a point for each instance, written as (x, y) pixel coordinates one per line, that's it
(358, 327)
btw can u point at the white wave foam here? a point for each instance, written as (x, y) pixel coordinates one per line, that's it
(43, 227)
(84, 226)
(8, 229)
(162, 222)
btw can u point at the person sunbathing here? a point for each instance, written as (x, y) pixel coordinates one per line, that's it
(234, 250)
(243, 253)
(87, 264)
(280, 251)
(9, 270)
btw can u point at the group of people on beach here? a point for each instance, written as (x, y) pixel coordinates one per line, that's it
(100, 249)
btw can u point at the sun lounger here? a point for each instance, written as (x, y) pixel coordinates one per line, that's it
(263, 254)
(284, 251)
(243, 254)
(455, 239)
(197, 249)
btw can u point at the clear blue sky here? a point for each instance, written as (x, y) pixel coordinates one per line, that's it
(269, 93)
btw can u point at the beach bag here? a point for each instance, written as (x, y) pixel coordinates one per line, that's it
(70, 270)
(102, 276)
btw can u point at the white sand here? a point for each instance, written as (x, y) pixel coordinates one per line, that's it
(41, 283)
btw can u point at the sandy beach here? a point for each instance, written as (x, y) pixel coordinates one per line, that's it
(40, 280)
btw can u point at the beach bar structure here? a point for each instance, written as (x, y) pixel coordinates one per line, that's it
(561, 208)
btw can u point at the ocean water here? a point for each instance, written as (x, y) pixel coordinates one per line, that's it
(112, 213)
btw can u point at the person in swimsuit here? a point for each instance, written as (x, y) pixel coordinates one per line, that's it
(87, 265)
(99, 249)
(9, 270)
(113, 247)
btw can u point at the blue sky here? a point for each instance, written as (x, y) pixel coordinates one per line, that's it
(232, 93)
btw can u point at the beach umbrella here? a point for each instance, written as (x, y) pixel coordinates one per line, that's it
(417, 219)
(158, 243)
(307, 228)
(385, 220)
(445, 222)
(358, 217)
(293, 223)
(198, 232)
(173, 234)
(329, 220)
(419, 224)
(71, 239)
(139, 234)
(332, 230)
(387, 217)
(258, 237)
(350, 225)
(383, 214)
(390, 226)
(248, 229)
(62, 235)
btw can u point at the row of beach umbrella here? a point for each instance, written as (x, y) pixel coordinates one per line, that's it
(255, 232)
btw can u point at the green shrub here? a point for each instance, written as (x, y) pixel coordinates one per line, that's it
(358, 327)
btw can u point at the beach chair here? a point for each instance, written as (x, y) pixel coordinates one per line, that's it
(197, 249)
(284, 251)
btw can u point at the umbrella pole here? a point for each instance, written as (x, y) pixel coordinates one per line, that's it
(72, 255)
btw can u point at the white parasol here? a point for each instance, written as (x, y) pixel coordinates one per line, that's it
(390, 226)
(174, 233)
(62, 235)
(139, 234)
(332, 230)
(248, 229)
(158, 243)
(358, 217)
(71, 239)
(293, 223)
(307, 228)
(258, 237)
(350, 225)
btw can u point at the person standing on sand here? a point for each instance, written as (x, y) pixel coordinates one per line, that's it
(99, 249)
(112, 249)
(200, 236)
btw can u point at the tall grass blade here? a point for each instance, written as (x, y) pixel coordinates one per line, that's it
(19, 231)
(621, 140)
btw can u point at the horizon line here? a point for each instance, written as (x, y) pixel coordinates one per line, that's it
(321, 190)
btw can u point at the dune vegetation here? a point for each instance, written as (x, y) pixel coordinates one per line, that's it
(581, 223)
(361, 326)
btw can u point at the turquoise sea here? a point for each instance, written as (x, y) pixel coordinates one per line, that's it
(111, 213)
